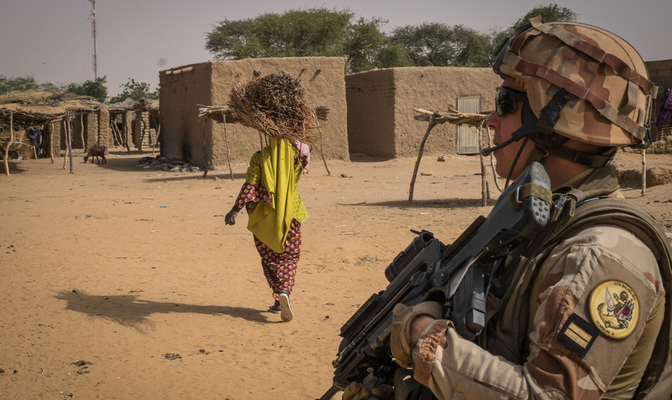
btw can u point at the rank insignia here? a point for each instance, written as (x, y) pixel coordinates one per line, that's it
(614, 309)
(578, 335)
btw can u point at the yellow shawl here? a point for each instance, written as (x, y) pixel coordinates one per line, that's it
(270, 222)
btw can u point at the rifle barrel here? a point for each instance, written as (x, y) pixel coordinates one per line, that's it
(329, 393)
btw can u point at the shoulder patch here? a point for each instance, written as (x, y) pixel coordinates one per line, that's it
(578, 335)
(614, 308)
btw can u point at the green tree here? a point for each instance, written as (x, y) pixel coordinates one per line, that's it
(51, 87)
(361, 42)
(18, 84)
(136, 91)
(95, 89)
(549, 13)
(471, 48)
(232, 40)
(295, 33)
(393, 55)
(437, 44)
(364, 42)
(304, 33)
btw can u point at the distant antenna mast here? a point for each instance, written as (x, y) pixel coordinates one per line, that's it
(93, 32)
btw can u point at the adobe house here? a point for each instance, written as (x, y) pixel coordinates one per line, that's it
(186, 136)
(381, 103)
(660, 73)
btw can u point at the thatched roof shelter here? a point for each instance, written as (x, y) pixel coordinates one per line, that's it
(32, 108)
(20, 110)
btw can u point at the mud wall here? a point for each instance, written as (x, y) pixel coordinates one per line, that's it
(104, 134)
(184, 135)
(660, 73)
(182, 89)
(371, 108)
(381, 103)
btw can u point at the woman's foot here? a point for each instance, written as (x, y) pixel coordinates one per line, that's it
(275, 308)
(285, 308)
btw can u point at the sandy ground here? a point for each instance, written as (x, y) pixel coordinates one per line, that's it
(123, 282)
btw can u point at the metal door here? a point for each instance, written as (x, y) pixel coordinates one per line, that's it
(467, 136)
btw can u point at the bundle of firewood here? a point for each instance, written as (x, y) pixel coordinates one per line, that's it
(275, 105)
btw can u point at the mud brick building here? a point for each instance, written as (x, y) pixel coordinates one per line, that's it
(381, 103)
(198, 140)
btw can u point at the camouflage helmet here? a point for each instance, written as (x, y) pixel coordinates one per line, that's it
(607, 94)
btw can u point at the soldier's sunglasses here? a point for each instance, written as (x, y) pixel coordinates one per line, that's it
(507, 100)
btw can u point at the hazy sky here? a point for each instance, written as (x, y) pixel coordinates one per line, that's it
(52, 39)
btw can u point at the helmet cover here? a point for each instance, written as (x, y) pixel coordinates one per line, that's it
(612, 96)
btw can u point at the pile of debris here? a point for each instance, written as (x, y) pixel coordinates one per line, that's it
(167, 164)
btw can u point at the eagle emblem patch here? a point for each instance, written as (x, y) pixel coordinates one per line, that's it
(614, 309)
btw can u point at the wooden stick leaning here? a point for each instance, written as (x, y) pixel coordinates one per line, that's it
(432, 124)
(320, 130)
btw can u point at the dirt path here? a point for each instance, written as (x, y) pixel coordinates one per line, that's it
(122, 282)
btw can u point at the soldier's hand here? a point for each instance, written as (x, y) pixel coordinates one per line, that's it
(230, 218)
(405, 333)
(357, 391)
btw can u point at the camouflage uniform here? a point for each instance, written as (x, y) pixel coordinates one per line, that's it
(561, 323)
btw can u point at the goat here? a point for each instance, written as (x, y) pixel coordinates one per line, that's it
(96, 151)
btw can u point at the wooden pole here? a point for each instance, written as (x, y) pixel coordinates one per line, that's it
(157, 122)
(320, 130)
(70, 145)
(205, 150)
(81, 122)
(142, 131)
(432, 124)
(65, 131)
(11, 139)
(126, 134)
(484, 171)
(644, 172)
(492, 161)
(228, 155)
(115, 137)
(51, 141)
(119, 135)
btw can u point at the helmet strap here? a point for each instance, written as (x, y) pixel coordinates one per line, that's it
(579, 157)
(549, 117)
(515, 161)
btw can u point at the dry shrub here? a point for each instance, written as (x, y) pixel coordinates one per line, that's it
(275, 105)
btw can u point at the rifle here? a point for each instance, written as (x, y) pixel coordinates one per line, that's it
(454, 275)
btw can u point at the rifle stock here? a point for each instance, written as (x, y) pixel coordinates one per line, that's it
(428, 270)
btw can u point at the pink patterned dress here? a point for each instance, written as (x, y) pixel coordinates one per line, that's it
(279, 268)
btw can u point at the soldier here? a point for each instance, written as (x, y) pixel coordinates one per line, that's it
(587, 316)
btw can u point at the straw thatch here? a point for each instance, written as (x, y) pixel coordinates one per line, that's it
(30, 108)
